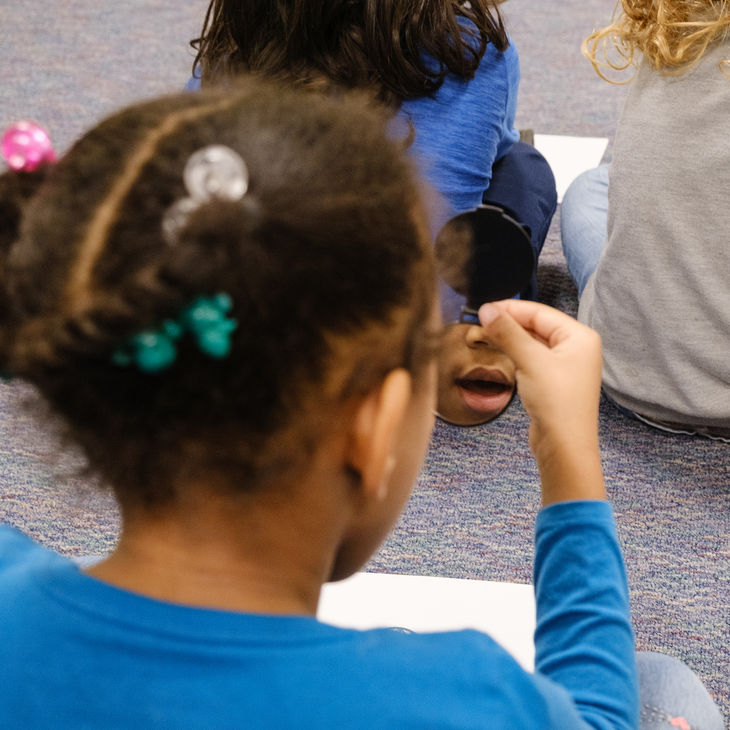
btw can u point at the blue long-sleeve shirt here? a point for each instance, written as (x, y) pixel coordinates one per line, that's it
(77, 652)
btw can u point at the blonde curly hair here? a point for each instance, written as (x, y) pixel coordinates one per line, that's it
(672, 35)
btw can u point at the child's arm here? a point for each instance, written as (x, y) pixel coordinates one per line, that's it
(559, 381)
(583, 639)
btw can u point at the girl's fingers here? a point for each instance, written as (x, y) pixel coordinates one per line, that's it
(509, 335)
(547, 324)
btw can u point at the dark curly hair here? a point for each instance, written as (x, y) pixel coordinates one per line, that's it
(326, 247)
(403, 49)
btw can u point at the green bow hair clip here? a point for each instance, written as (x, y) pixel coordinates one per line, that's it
(206, 320)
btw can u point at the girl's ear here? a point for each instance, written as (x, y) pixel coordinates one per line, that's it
(374, 430)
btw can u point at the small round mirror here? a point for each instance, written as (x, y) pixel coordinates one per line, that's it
(485, 255)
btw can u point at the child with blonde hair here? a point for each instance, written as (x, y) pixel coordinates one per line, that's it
(229, 300)
(645, 239)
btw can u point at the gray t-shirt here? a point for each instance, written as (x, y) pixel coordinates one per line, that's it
(660, 295)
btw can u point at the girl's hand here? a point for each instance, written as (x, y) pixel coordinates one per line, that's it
(558, 369)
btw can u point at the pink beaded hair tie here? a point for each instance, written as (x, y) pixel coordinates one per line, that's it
(26, 145)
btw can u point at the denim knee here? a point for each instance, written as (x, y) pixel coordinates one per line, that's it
(583, 218)
(672, 696)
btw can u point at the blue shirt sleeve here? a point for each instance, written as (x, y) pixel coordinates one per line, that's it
(583, 639)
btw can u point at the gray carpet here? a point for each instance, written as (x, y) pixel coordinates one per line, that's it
(472, 511)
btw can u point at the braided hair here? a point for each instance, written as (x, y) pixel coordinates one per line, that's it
(326, 247)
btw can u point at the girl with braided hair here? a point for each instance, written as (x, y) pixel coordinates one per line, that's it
(228, 298)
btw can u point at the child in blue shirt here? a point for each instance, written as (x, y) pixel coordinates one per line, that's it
(261, 416)
(452, 73)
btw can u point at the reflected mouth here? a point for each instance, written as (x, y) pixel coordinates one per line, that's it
(485, 391)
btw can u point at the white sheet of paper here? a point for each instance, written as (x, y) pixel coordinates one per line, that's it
(505, 611)
(569, 156)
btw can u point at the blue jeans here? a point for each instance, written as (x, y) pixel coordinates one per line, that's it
(671, 696)
(583, 218)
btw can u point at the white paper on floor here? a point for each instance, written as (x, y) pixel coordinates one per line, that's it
(569, 156)
(505, 611)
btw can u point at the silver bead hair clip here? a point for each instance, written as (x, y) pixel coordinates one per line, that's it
(213, 172)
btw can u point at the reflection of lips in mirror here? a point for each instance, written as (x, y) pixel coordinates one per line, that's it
(485, 391)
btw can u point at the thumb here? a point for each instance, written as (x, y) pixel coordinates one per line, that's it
(507, 334)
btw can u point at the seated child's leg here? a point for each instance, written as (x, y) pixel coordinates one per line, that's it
(583, 216)
(672, 696)
(523, 183)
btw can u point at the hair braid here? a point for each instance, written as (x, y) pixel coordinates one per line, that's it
(323, 249)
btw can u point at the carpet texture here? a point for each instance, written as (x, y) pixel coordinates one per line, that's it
(473, 509)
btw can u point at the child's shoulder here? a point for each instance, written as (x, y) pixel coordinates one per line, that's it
(17, 549)
(399, 645)
(24, 566)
